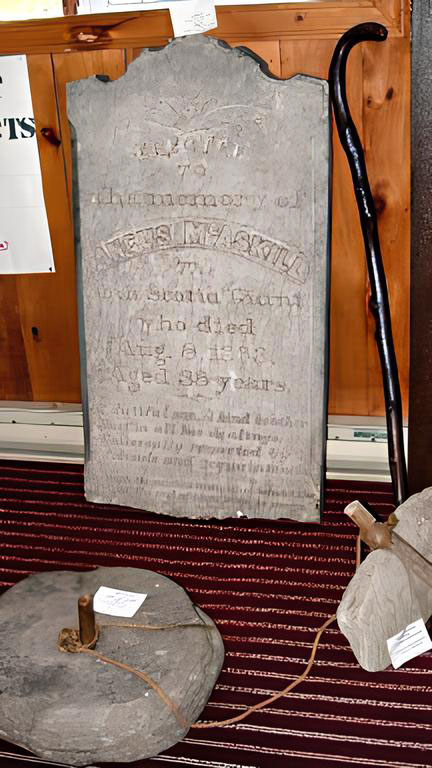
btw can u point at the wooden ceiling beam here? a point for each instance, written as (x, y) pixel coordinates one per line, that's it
(261, 22)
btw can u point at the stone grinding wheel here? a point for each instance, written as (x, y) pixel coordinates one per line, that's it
(75, 709)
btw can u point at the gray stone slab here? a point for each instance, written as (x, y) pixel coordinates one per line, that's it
(203, 194)
(75, 709)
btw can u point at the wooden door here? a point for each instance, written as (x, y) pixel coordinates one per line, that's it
(38, 325)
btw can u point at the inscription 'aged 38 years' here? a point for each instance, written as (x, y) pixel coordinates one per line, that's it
(202, 234)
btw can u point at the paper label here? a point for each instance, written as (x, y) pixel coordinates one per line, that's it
(112, 6)
(409, 643)
(11, 10)
(25, 243)
(117, 602)
(190, 17)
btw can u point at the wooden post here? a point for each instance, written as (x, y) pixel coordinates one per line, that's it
(87, 623)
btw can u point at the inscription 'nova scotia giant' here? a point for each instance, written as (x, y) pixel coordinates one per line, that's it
(202, 237)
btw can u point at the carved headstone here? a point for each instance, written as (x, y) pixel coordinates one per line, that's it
(203, 196)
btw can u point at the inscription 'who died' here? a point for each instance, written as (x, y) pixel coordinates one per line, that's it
(205, 327)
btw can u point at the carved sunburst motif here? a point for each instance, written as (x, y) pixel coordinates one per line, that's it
(187, 115)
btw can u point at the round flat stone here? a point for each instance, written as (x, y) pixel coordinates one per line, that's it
(76, 709)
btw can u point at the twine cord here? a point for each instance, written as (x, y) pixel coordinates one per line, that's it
(69, 642)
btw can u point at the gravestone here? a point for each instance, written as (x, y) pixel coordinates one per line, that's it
(202, 185)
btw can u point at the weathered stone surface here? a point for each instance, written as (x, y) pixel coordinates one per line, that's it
(203, 193)
(392, 587)
(378, 603)
(415, 522)
(77, 710)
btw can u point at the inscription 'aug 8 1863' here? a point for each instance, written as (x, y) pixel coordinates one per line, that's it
(202, 233)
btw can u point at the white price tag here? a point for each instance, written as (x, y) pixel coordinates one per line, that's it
(117, 602)
(409, 643)
(190, 17)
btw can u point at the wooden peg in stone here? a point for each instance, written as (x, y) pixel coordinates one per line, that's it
(375, 535)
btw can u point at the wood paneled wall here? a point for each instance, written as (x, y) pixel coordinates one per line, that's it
(294, 38)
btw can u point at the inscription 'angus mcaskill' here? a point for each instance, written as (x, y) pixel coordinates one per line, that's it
(209, 234)
(203, 229)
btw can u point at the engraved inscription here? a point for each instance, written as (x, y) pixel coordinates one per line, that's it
(203, 235)
(109, 196)
(212, 234)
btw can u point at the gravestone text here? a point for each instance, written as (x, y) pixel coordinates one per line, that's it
(203, 193)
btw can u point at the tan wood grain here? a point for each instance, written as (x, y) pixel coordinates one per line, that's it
(348, 386)
(386, 121)
(269, 51)
(378, 88)
(133, 30)
(14, 374)
(274, 34)
(48, 302)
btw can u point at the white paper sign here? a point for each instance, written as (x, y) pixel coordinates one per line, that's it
(409, 643)
(117, 602)
(30, 9)
(111, 6)
(190, 17)
(25, 244)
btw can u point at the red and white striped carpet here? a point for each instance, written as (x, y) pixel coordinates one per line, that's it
(268, 586)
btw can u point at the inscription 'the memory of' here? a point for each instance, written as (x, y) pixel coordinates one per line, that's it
(204, 299)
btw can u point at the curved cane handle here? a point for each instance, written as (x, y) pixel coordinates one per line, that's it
(379, 302)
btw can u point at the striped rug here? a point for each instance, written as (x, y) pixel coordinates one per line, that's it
(268, 586)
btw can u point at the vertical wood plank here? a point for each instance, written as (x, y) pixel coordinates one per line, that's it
(386, 132)
(48, 302)
(348, 391)
(355, 380)
(269, 51)
(420, 414)
(14, 374)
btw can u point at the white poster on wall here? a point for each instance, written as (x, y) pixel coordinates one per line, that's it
(16, 10)
(120, 6)
(25, 243)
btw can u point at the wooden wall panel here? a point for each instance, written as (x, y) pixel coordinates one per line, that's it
(47, 303)
(295, 38)
(322, 19)
(378, 88)
(269, 51)
(15, 381)
(348, 391)
(386, 136)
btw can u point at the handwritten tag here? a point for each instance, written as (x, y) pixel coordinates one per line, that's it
(117, 602)
(190, 17)
(409, 643)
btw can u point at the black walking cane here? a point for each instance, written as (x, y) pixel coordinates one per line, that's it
(379, 302)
